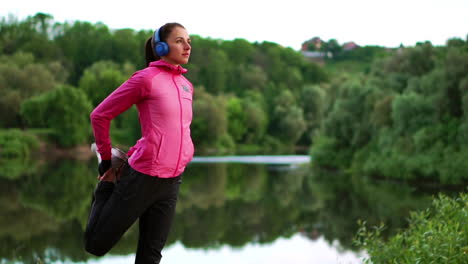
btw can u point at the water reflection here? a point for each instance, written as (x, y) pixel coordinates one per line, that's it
(44, 208)
(296, 250)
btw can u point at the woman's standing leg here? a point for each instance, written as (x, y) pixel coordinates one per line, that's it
(156, 221)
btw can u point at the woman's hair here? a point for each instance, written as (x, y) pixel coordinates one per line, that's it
(164, 32)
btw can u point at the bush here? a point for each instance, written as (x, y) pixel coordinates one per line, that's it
(436, 235)
(325, 153)
(65, 110)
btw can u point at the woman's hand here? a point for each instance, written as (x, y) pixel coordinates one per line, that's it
(104, 166)
(109, 175)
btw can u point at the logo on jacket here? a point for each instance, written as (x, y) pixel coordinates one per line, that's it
(186, 88)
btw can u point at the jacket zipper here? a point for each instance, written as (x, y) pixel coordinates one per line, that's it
(181, 126)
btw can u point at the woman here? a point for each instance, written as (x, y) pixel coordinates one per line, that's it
(149, 183)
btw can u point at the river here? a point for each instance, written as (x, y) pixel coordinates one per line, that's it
(250, 209)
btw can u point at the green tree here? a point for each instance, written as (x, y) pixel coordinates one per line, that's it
(411, 112)
(102, 78)
(215, 72)
(65, 110)
(347, 120)
(20, 79)
(83, 44)
(311, 101)
(33, 35)
(415, 61)
(404, 120)
(209, 125)
(256, 117)
(247, 77)
(287, 122)
(240, 51)
(236, 117)
(127, 46)
(332, 46)
(456, 63)
(99, 81)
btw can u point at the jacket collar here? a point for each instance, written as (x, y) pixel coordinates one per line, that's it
(171, 67)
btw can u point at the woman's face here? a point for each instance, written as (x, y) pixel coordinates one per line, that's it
(179, 46)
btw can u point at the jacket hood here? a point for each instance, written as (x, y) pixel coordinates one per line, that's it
(171, 67)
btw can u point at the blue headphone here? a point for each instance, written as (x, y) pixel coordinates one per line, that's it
(160, 47)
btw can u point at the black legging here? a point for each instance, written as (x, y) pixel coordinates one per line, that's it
(115, 208)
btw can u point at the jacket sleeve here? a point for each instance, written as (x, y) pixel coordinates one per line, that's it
(129, 93)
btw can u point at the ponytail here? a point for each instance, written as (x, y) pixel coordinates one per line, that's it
(149, 52)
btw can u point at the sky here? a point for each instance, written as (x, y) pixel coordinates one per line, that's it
(288, 22)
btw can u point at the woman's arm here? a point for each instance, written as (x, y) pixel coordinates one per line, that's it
(128, 94)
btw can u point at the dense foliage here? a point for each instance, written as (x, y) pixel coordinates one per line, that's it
(406, 119)
(401, 115)
(436, 235)
(258, 87)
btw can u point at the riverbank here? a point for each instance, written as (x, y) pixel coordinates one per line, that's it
(51, 152)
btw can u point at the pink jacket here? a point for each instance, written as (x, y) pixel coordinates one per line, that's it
(163, 97)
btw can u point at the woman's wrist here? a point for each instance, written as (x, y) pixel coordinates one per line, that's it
(104, 165)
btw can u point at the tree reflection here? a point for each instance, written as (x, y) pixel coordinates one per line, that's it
(341, 201)
(44, 212)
